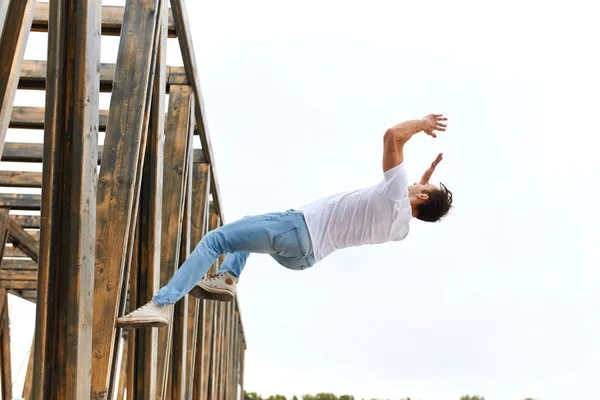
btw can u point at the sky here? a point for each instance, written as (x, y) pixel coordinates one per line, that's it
(501, 298)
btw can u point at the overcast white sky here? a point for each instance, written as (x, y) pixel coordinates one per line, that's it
(501, 299)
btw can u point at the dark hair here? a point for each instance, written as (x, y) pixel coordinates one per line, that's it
(436, 206)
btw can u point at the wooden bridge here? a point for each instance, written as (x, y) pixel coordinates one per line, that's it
(92, 228)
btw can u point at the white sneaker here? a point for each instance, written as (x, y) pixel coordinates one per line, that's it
(218, 287)
(148, 315)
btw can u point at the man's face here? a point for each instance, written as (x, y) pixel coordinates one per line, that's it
(417, 189)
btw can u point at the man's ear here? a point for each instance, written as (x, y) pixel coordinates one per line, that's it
(422, 197)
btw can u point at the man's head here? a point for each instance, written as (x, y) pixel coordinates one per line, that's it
(429, 203)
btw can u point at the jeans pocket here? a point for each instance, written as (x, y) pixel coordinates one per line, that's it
(288, 244)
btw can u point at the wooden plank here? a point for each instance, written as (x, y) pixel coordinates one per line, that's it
(112, 19)
(27, 221)
(21, 179)
(184, 34)
(118, 180)
(33, 76)
(18, 285)
(175, 154)
(33, 118)
(144, 380)
(4, 218)
(18, 275)
(21, 201)
(5, 347)
(32, 153)
(63, 338)
(12, 251)
(27, 386)
(23, 240)
(19, 264)
(199, 226)
(19, 16)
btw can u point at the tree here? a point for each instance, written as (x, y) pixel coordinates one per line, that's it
(252, 396)
(472, 398)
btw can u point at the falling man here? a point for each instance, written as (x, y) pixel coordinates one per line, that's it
(297, 239)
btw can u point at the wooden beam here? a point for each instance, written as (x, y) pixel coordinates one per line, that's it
(19, 264)
(27, 386)
(16, 27)
(4, 218)
(119, 179)
(27, 221)
(175, 151)
(112, 19)
(25, 202)
(23, 240)
(184, 34)
(21, 179)
(32, 153)
(5, 347)
(33, 118)
(33, 76)
(18, 285)
(144, 379)
(19, 275)
(199, 226)
(63, 335)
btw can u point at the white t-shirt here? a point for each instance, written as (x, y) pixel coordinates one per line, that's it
(372, 215)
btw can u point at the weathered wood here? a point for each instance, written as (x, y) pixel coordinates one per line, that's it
(118, 180)
(21, 201)
(198, 226)
(21, 179)
(23, 240)
(4, 221)
(18, 275)
(27, 386)
(12, 251)
(66, 273)
(18, 285)
(5, 347)
(112, 19)
(184, 36)
(32, 153)
(144, 379)
(33, 76)
(175, 155)
(33, 118)
(19, 16)
(27, 221)
(19, 264)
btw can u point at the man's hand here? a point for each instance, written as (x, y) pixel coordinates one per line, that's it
(427, 175)
(432, 122)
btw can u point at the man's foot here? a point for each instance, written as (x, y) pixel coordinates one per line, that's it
(218, 287)
(148, 315)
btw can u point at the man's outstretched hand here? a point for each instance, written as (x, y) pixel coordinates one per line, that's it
(427, 175)
(432, 122)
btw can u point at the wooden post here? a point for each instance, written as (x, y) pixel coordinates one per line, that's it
(67, 233)
(175, 155)
(5, 347)
(146, 340)
(119, 181)
(15, 24)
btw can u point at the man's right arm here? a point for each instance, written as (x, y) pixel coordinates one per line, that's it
(396, 136)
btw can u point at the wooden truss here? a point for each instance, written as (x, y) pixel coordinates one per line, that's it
(114, 220)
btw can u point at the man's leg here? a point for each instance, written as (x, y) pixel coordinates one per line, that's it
(256, 234)
(234, 263)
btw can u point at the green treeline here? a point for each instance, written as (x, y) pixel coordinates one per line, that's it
(331, 396)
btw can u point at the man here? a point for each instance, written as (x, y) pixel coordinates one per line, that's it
(297, 239)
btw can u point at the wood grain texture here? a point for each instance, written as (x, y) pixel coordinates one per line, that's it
(118, 181)
(33, 118)
(175, 157)
(33, 76)
(5, 355)
(184, 35)
(112, 19)
(15, 31)
(21, 179)
(23, 240)
(32, 153)
(144, 381)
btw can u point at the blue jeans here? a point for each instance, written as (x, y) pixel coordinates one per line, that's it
(283, 235)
